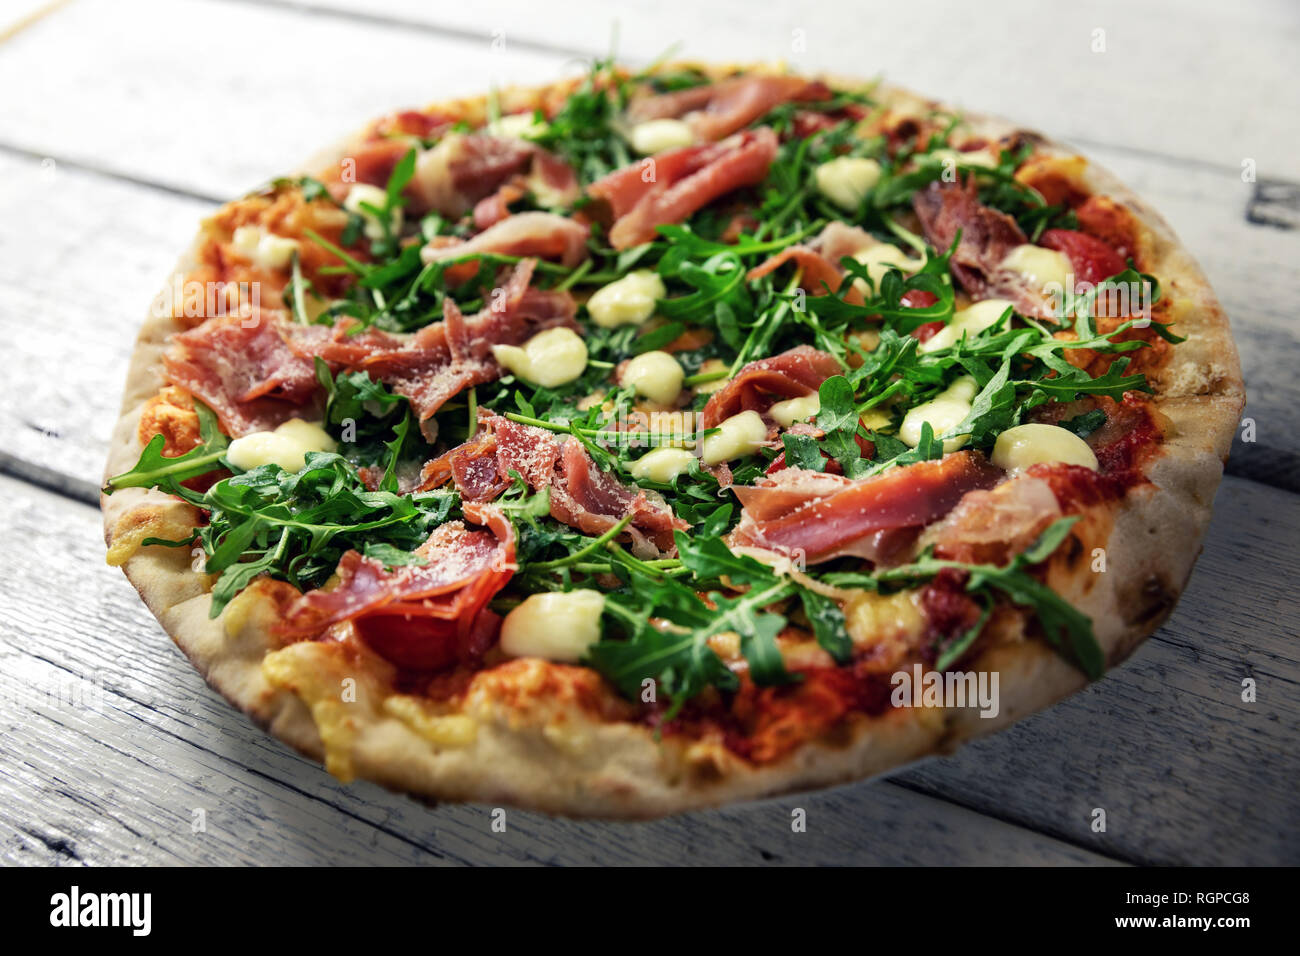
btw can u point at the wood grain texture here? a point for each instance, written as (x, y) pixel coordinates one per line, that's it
(112, 741)
(1175, 75)
(1184, 770)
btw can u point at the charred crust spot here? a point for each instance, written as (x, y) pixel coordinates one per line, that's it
(1152, 602)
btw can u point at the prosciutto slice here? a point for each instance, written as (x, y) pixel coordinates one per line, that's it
(987, 235)
(420, 616)
(442, 359)
(582, 496)
(721, 108)
(759, 385)
(543, 235)
(465, 168)
(242, 369)
(256, 373)
(820, 260)
(825, 516)
(669, 187)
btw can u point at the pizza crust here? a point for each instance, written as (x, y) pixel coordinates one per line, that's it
(558, 759)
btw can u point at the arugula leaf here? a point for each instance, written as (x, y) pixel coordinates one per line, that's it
(154, 469)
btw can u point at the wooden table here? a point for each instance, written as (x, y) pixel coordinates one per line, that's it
(122, 123)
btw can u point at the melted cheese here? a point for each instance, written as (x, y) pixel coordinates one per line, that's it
(525, 126)
(372, 196)
(558, 626)
(845, 181)
(970, 321)
(655, 136)
(870, 617)
(1042, 269)
(262, 248)
(1036, 443)
(662, 465)
(739, 435)
(656, 375)
(879, 259)
(944, 412)
(626, 301)
(554, 357)
(794, 410)
(442, 730)
(287, 446)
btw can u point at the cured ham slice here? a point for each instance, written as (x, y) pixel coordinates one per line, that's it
(760, 384)
(242, 369)
(669, 187)
(464, 169)
(988, 527)
(819, 261)
(442, 359)
(824, 516)
(582, 496)
(421, 617)
(544, 235)
(987, 236)
(721, 108)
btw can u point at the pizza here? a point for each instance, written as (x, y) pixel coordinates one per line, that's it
(650, 441)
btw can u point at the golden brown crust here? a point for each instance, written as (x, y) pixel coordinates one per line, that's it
(512, 743)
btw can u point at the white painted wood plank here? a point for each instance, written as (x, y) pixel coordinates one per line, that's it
(111, 742)
(159, 89)
(1191, 78)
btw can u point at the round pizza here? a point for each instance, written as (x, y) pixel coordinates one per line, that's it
(649, 441)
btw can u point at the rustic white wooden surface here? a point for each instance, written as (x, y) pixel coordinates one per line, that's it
(119, 129)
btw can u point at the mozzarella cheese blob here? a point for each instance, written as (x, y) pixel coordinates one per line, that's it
(976, 157)
(554, 357)
(794, 410)
(519, 126)
(845, 181)
(944, 412)
(287, 446)
(879, 259)
(1039, 267)
(662, 465)
(738, 436)
(656, 375)
(969, 321)
(655, 136)
(555, 625)
(1036, 443)
(626, 301)
(262, 248)
(372, 196)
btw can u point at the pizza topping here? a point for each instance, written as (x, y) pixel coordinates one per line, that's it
(656, 375)
(370, 202)
(659, 135)
(286, 446)
(243, 370)
(823, 516)
(1024, 445)
(543, 235)
(627, 301)
(679, 182)
(554, 357)
(738, 436)
(558, 626)
(847, 180)
(429, 610)
(264, 249)
(797, 373)
(771, 373)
